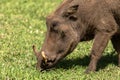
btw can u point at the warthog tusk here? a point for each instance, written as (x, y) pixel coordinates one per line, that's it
(44, 56)
(35, 51)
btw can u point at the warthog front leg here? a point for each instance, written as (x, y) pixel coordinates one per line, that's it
(100, 42)
(106, 28)
(116, 44)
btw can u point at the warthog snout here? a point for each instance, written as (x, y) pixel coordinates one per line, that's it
(44, 61)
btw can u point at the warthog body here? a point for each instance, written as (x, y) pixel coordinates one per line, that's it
(80, 20)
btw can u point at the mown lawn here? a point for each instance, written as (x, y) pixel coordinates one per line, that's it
(22, 24)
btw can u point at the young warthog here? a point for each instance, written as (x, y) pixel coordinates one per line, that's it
(80, 20)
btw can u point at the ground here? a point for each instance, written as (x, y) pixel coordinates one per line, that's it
(22, 24)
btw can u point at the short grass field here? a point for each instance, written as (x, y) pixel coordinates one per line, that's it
(22, 24)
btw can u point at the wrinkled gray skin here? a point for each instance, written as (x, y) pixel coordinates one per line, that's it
(80, 20)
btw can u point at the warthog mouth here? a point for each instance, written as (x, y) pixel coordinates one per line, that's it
(43, 61)
(48, 63)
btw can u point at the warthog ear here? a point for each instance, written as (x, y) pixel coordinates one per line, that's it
(71, 10)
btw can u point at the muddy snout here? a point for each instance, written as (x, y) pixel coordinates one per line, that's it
(47, 60)
(43, 60)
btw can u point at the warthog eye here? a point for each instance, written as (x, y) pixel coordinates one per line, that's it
(54, 24)
(73, 18)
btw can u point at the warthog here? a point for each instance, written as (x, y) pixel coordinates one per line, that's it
(75, 21)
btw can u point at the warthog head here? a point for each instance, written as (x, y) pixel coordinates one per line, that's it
(64, 29)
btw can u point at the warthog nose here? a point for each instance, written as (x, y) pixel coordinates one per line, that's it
(47, 59)
(51, 60)
(48, 63)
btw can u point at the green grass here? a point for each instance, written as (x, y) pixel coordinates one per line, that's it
(22, 24)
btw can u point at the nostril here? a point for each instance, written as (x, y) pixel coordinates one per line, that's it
(43, 64)
(51, 60)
